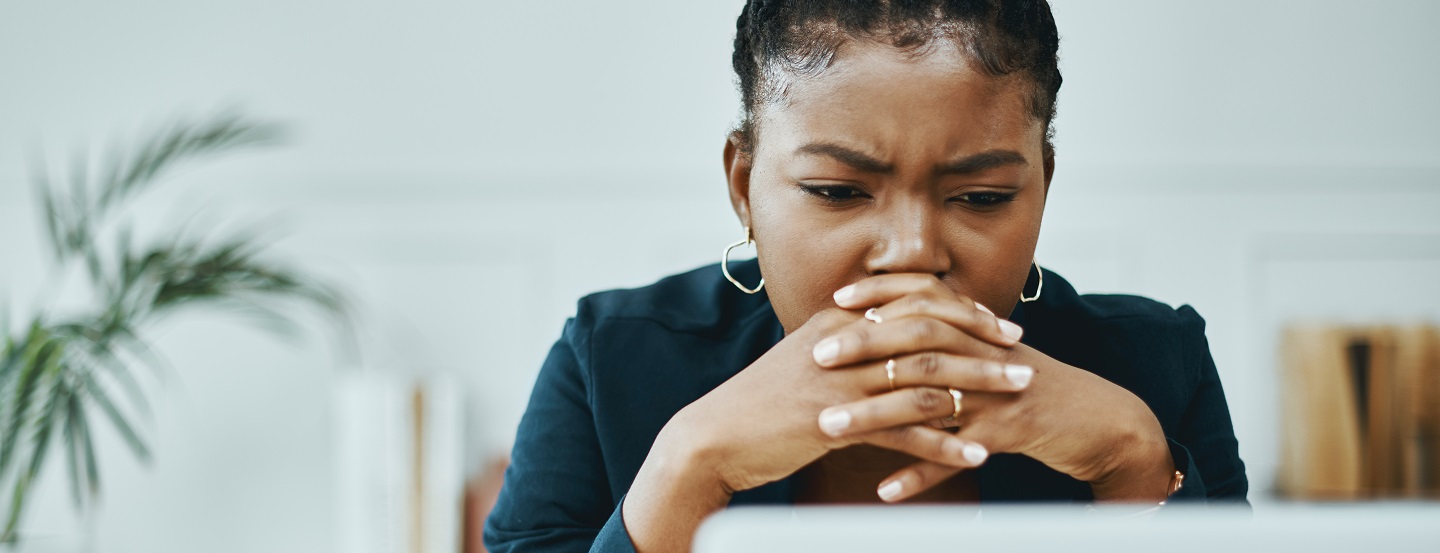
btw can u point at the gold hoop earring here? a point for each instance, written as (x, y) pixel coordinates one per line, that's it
(1040, 284)
(725, 263)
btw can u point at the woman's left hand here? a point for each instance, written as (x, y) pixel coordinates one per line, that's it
(1067, 418)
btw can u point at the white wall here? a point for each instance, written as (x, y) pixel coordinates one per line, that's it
(472, 168)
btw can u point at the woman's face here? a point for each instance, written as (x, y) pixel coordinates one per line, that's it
(891, 163)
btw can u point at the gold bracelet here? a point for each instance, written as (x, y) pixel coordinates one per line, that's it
(1177, 481)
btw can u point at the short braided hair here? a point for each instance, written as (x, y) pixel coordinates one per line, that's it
(1001, 37)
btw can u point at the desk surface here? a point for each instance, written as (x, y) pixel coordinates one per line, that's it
(1349, 528)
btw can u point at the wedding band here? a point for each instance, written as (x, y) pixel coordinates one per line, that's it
(890, 372)
(955, 395)
(872, 315)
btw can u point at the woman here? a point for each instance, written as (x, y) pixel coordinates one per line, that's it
(893, 341)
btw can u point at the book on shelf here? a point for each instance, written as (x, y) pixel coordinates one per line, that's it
(1360, 411)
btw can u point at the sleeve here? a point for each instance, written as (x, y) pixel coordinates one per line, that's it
(556, 496)
(1204, 446)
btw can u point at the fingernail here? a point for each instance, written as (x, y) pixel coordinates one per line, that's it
(981, 307)
(975, 453)
(833, 421)
(1011, 330)
(827, 350)
(890, 490)
(1019, 375)
(843, 295)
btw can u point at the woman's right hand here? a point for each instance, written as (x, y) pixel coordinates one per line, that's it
(760, 426)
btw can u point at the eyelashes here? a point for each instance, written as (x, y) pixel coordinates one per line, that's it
(986, 199)
(842, 194)
(834, 193)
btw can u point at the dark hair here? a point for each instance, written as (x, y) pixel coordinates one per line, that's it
(1001, 37)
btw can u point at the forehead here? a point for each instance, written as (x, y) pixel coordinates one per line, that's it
(887, 98)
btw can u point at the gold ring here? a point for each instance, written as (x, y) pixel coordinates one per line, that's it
(955, 395)
(872, 314)
(890, 372)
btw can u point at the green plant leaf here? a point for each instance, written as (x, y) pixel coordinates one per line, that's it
(53, 374)
(93, 266)
(120, 371)
(80, 187)
(101, 399)
(54, 221)
(40, 356)
(180, 141)
(71, 438)
(82, 428)
(10, 360)
(102, 355)
(132, 343)
(44, 428)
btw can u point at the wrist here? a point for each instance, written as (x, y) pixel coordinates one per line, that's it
(1144, 472)
(675, 489)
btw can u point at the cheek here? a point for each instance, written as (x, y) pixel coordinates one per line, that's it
(804, 256)
(993, 268)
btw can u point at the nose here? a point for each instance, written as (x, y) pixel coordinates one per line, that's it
(909, 238)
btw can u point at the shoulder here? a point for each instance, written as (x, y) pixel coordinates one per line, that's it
(645, 353)
(698, 301)
(1061, 304)
(1129, 339)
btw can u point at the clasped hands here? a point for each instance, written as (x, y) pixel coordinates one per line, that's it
(785, 410)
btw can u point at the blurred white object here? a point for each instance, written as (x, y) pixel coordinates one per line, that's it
(400, 478)
(1368, 527)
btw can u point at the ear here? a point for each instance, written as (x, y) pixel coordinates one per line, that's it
(737, 174)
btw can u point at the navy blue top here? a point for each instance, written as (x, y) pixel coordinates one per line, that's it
(630, 359)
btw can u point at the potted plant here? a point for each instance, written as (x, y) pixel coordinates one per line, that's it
(66, 376)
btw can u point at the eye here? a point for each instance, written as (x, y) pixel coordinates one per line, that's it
(985, 199)
(835, 193)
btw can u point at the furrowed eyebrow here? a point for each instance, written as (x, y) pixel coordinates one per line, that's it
(853, 158)
(980, 162)
(865, 162)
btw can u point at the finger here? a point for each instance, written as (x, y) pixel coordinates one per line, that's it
(914, 479)
(960, 313)
(902, 407)
(866, 341)
(879, 291)
(882, 289)
(930, 444)
(942, 370)
(930, 471)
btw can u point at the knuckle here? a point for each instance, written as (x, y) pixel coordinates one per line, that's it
(932, 301)
(925, 400)
(928, 365)
(924, 331)
(922, 305)
(909, 438)
(901, 437)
